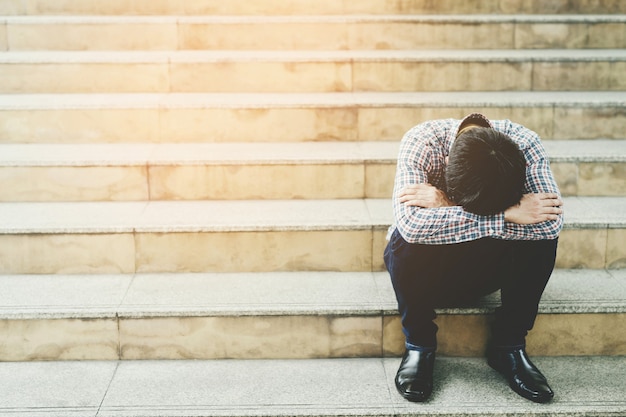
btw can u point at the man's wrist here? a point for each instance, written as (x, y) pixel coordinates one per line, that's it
(507, 215)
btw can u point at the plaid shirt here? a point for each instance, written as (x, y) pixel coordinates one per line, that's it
(422, 160)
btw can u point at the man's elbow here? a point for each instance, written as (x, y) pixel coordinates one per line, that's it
(407, 233)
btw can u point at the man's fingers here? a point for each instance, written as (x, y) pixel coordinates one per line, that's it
(415, 203)
(550, 200)
(556, 202)
(420, 195)
(554, 213)
(415, 190)
(550, 213)
(409, 197)
(551, 205)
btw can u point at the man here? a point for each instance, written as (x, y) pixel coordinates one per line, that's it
(476, 209)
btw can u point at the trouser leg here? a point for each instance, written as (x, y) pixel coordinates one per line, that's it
(428, 276)
(522, 286)
(412, 273)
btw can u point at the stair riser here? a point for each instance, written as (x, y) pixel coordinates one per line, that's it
(291, 337)
(182, 35)
(281, 7)
(332, 250)
(590, 179)
(348, 123)
(186, 252)
(552, 335)
(243, 77)
(191, 182)
(232, 182)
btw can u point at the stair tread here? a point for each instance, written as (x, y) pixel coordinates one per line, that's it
(311, 100)
(318, 387)
(136, 154)
(251, 215)
(576, 291)
(337, 18)
(465, 55)
(273, 7)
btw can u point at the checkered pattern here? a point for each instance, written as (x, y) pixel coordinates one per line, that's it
(422, 159)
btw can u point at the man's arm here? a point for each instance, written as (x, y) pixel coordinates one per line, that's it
(539, 215)
(436, 223)
(424, 214)
(538, 212)
(431, 218)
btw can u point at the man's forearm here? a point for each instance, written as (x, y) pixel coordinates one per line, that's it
(445, 225)
(535, 208)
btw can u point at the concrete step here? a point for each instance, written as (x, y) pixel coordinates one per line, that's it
(279, 315)
(250, 236)
(312, 32)
(191, 117)
(299, 7)
(304, 170)
(584, 386)
(312, 71)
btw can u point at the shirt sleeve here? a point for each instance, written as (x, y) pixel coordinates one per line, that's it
(539, 179)
(419, 157)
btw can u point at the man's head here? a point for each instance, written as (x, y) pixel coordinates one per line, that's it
(486, 171)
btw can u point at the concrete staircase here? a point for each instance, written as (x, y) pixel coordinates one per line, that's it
(186, 185)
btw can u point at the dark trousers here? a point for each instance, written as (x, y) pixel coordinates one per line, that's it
(426, 277)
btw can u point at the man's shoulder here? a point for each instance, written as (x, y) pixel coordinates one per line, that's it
(432, 130)
(520, 134)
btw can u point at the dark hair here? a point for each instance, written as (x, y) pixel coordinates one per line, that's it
(486, 171)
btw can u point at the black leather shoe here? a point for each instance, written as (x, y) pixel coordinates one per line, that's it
(414, 379)
(522, 375)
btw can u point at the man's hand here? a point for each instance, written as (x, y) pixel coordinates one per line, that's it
(424, 195)
(535, 208)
